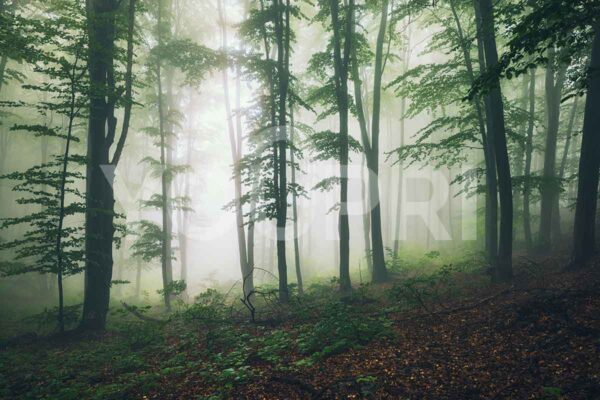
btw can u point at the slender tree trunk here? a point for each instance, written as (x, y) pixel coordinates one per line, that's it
(236, 155)
(366, 217)
(400, 183)
(549, 189)
(295, 205)
(527, 171)
(3, 57)
(3, 62)
(166, 259)
(503, 268)
(183, 237)
(62, 193)
(584, 237)
(282, 31)
(389, 192)
(398, 220)
(341, 65)
(487, 131)
(569, 138)
(519, 161)
(379, 269)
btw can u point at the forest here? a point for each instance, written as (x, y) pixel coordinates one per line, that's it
(299, 199)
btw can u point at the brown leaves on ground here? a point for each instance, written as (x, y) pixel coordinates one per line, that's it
(537, 339)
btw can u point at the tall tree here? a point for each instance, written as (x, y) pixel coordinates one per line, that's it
(235, 142)
(165, 175)
(341, 60)
(584, 235)
(407, 51)
(371, 144)
(102, 128)
(283, 38)
(502, 271)
(550, 188)
(528, 160)
(293, 168)
(491, 188)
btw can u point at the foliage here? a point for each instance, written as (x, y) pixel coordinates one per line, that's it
(148, 242)
(339, 330)
(36, 250)
(424, 289)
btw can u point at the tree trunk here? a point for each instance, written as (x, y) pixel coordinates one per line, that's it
(569, 138)
(584, 236)
(99, 192)
(366, 217)
(183, 219)
(100, 200)
(62, 193)
(295, 206)
(503, 268)
(341, 64)
(400, 184)
(491, 179)
(491, 208)
(236, 155)
(527, 171)
(379, 269)
(549, 188)
(166, 260)
(282, 31)
(519, 161)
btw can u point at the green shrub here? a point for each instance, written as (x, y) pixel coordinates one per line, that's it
(341, 329)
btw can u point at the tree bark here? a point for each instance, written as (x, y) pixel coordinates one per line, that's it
(549, 188)
(503, 267)
(236, 155)
(569, 138)
(295, 205)
(341, 66)
(400, 183)
(166, 259)
(101, 134)
(366, 217)
(584, 236)
(491, 209)
(527, 170)
(491, 178)
(99, 192)
(282, 32)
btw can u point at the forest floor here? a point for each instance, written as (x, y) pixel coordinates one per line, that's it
(445, 335)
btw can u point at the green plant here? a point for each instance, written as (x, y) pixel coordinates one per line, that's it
(273, 346)
(422, 290)
(341, 329)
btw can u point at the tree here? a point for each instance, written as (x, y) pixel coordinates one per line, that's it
(294, 202)
(341, 61)
(584, 235)
(571, 26)
(491, 191)
(235, 143)
(528, 159)
(165, 167)
(283, 37)
(370, 144)
(503, 268)
(104, 98)
(265, 168)
(550, 188)
(52, 243)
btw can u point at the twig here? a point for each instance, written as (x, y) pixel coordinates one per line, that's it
(133, 310)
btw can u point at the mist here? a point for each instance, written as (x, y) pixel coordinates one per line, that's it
(229, 166)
